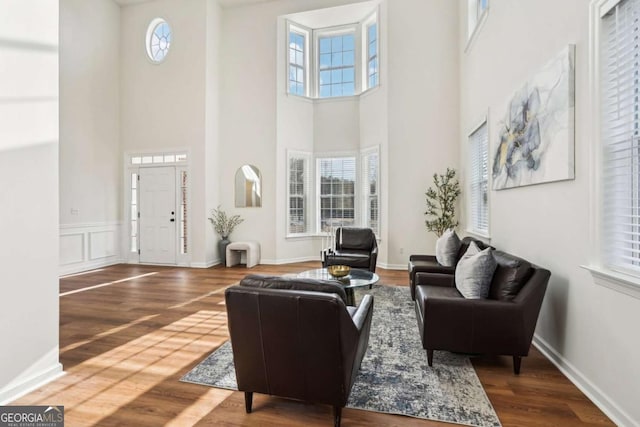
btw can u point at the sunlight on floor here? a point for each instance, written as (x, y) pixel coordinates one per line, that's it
(127, 279)
(119, 376)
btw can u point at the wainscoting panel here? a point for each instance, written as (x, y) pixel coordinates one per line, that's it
(88, 246)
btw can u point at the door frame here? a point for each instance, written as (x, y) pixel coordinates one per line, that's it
(133, 162)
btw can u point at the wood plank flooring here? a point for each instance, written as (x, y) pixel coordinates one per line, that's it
(126, 342)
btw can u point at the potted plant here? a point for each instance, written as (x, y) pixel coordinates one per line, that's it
(441, 202)
(224, 226)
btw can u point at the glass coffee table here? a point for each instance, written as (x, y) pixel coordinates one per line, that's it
(357, 278)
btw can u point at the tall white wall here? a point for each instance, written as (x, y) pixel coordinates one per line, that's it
(423, 116)
(587, 329)
(90, 150)
(29, 196)
(164, 106)
(212, 179)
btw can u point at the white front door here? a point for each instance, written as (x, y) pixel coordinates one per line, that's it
(157, 188)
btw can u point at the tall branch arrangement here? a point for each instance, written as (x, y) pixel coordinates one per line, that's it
(441, 202)
(223, 224)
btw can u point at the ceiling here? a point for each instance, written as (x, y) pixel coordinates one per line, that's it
(223, 3)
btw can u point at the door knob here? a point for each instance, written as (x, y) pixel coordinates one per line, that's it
(172, 220)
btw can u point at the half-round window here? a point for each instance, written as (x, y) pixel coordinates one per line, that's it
(158, 40)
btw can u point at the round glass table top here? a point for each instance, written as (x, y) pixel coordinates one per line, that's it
(356, 278)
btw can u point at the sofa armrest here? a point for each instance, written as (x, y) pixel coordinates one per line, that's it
(431, 258)
(364, 311)
(435, 279)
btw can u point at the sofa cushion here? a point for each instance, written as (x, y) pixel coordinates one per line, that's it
(510, 275)
(294, 283)
(474, 272)
(447, 248)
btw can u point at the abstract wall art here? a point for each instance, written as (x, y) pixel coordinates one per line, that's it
(535, 141)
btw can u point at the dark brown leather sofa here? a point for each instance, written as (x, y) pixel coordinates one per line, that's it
(299, 344)
(429, 264)
(355, 247)
(503, 324)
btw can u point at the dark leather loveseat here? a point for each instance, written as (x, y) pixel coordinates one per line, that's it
(355, 247)
(296, 338)
(503, 324)
(429, 264)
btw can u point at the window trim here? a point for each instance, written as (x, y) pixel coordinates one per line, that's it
(484, 121)
(622, 282)
(475, 21)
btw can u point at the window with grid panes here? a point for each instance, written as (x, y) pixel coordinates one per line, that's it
(336, 198)
(297, 63)
(298, 193)
(336, 65)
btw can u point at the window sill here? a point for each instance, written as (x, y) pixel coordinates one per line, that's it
(620, 282)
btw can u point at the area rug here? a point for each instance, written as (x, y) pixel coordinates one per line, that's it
(394, 376)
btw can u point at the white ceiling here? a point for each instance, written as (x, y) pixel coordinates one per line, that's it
(223, 3)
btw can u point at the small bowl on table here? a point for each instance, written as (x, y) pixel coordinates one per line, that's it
(339, 270)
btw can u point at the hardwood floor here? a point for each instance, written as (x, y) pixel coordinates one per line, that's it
(129, 333)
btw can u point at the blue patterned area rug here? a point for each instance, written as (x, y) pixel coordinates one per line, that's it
(394, 376)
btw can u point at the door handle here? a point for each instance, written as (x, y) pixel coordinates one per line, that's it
(172, 220)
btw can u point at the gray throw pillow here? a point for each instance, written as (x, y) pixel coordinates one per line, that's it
(474, 272)
(447, 248)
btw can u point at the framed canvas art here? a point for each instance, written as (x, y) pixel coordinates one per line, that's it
(535, 141)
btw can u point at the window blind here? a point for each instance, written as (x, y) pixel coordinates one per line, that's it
(298, 193)
(337, 181)
(479, 177)
(619, 91)
(370, 190)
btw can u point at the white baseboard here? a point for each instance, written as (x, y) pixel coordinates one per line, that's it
(392, 266)
(289, 261)
(86, 266)
(204, 264)
(30, 384)
(593, 392)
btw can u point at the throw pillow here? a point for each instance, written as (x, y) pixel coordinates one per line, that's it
(474, 272)
(511, 274)
(447, 248)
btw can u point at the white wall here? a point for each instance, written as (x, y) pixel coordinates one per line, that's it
(587, 329)
(164, 106)
(423, 116)
(29, 196)
(212, 124)
(90, 150)
(336, 125)
(413, 116)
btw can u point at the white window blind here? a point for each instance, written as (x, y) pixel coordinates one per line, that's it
(337, 182)
(479, 180)
(298, 186)
(619, 59)
(371, 188)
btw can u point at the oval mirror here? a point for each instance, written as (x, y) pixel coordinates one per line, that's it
(248, 187)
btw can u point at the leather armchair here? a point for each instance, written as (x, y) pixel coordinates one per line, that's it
(429, 264)
(297, 344)
(355, 247)
(448, 321)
